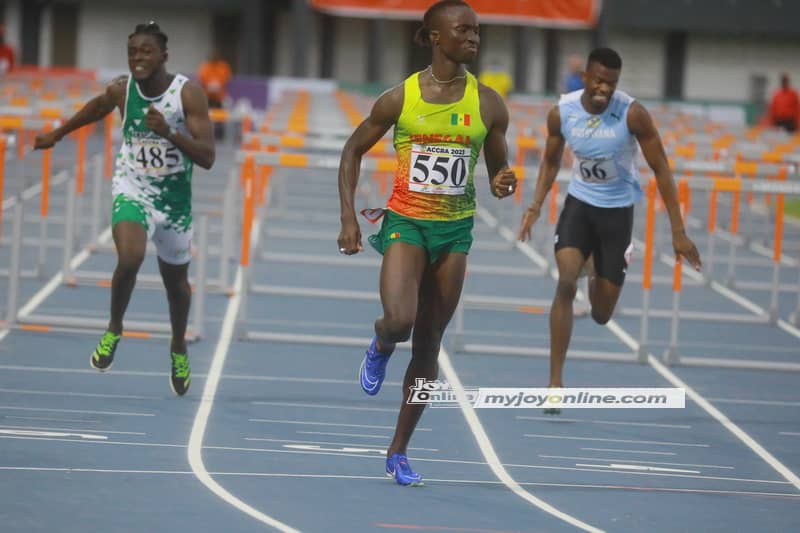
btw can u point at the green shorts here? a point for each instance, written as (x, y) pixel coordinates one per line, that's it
(173, 241)
(434, 236)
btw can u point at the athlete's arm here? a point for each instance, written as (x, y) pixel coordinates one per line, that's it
(383, 115)
(641, 125)
(94, 110)
(502, 181)
(199, 144)
(548, 170)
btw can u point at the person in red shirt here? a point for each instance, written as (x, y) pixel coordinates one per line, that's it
(6, 54)
(784, 109)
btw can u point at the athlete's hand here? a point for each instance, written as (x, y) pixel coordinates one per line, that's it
(156, 122)
(529, 218)
(685, 248)
(350, 237)
(504, 183)
(46, 140)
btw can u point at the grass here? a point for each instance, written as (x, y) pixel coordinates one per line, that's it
(791, 207)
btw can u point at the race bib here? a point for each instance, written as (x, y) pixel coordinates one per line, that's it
(156, 157)
(437, 169)
(597, 170)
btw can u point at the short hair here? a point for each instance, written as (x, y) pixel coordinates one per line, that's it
(423, 35)
(151, 28)
(605, 56)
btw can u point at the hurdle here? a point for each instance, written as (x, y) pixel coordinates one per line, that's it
(26, 319)
(249, 160)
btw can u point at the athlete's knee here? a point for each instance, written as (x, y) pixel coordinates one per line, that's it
(179, 289)
(601, 316)
(130, 260)
(566, 290)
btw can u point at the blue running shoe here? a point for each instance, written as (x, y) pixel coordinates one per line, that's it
(373, 369)
(398, 468)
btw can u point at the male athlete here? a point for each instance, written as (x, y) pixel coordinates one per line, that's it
(602, 126)
(166, 130)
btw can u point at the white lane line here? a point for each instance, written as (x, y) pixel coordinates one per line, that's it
(487, 450)
(331, 424)
(789, 433)
(726, 422)
(379, 458)
(80, 394)
(654, 442)
(4, 426)
(632, 461)
(195, 447)
(344, 435)
(325, 406)
(775, 403)
(705, 404)
(52, 410)
(48, 419)
(56, 434)
(372, 478)
(295, 441)
(638, 468)
(509, 465)
(614, 450)
(610, 422)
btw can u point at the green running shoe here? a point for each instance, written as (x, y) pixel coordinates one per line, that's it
(103, 355)
(181, 374)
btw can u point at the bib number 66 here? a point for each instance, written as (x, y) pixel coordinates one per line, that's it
(593, 171)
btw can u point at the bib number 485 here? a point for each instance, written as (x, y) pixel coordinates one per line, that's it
(155, 158)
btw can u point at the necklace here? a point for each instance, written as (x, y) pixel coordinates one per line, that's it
(445, 82)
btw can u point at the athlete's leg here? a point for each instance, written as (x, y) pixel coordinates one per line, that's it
(603, 295)
(569, 261)
(439, 293)
(401, 275)
(130, 239)
(613, 230)
(179, 296)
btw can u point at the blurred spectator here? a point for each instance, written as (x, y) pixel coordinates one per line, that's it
(784, 108)
(6, 54)
(495, 76)
(214, 76)
(574, 79)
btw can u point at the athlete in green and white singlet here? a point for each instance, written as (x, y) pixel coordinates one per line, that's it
(152, 179)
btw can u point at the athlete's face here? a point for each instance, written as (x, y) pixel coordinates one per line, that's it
(145, 56)
(600, 83)
(457, 34)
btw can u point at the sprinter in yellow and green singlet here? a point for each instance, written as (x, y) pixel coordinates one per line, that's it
(442, 117)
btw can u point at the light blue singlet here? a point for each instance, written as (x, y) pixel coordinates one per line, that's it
(604, 173)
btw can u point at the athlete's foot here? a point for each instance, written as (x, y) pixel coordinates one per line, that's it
(553, 410)
(373, 368)
(397, 467)
(181, 374)
(103, 356)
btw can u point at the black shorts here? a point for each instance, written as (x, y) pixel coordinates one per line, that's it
(604, 232)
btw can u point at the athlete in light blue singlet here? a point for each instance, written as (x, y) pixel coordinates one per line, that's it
(602, 127)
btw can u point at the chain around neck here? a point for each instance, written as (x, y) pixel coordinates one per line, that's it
(444, 82)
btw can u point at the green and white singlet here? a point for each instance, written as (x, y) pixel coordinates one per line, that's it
(153, 178)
